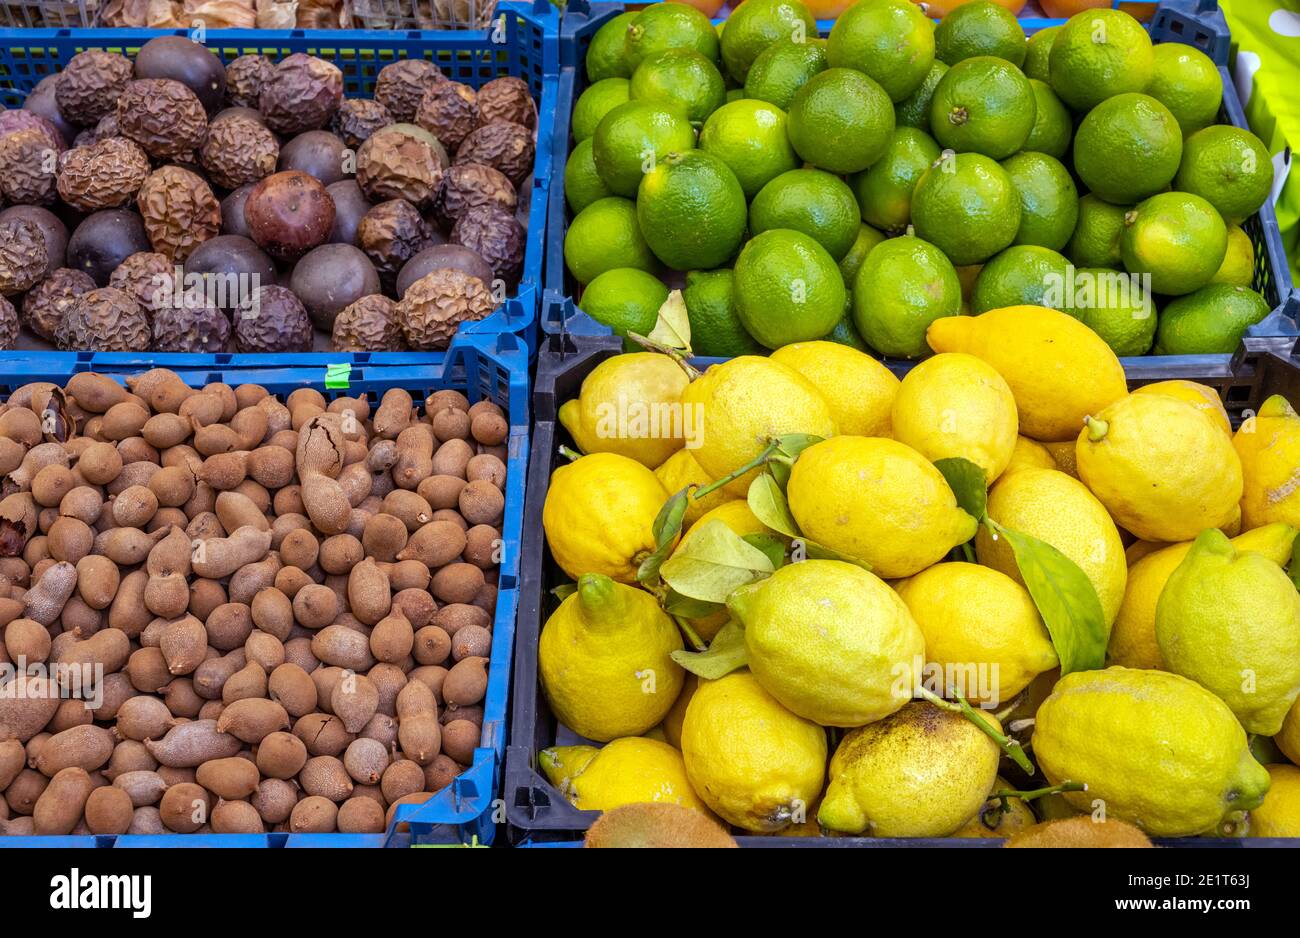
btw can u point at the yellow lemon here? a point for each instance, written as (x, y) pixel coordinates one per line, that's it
(1161, 466)
(981, 627)
(599, 515)
(630, 770)
(1288, 738)
(1029, 454)
(830, 641)
(1279, 815)
(672, 725)
(920, 772)
(756, 764)
(1058, 369)
(1133, 637)
(859, 389)
(680, 470)
(1139, 549)
(1230, 620)
(1269, 446)
(605, 662)
(1058, 509)
(957, 405)
(746, 402)
(1160, 751)
(989, 821)
(876, 500)
(1201, 396)
(630, 405)
(1062, 454)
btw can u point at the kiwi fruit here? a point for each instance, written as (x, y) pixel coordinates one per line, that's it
(656, 824)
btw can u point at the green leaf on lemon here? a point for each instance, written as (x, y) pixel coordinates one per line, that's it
(1065, 597)
(767, 502)
(715, 562)
(1293, 568)
(667, 526)
(770, 544)
(678, 605)
(968, 483)
(726, 653)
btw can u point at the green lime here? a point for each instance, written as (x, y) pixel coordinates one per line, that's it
(845, 333)
(605, 57)
(634, 136)
(1022, 275)
(1095, 242)
(691, 210)
(603, 236)
(1210, 321)
(1037, 53)
(663, 26)
(983, 105)
(750, 137)
(1187, 82)
(1099, 54)
(757, 24)
(890, 40)
(810, 201)
(980, 28)
(1127, 148)
(788, 288)
(625, 299)
(1229, 167)
(884, 191)
(904, 285)
(914, 110)
(782, 68)
(595, 102)
(851, 262)
(582, 184)
(967, 206)
(735, 94)
(1052, 124)
(840, 120)
(680, 78)
(1176, 237)
(1049, 202)
(1238, 267)
(1116, 307)
(716, 331)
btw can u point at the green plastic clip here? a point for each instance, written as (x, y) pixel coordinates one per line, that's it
(338, 375)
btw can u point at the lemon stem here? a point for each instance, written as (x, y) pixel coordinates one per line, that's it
(675, 354)
(1097, 429)
(1005, 793)
(1008, 745)
(754, 463)
(570, 454)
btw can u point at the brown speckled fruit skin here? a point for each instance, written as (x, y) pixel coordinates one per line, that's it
(163, 116)
(368, 325)
(106, 174)
(288, 214)
(179, 211)
(238, 150)
(396, 165)
(90, 84)
(436, 304)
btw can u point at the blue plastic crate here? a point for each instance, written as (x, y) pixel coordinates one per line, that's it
(537, 813)
(483, 367)
(523, 42)
(1193, 22)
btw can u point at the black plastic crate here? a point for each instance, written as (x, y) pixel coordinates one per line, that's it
(537, 813)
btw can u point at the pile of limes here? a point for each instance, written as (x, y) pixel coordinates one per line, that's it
(861, 186)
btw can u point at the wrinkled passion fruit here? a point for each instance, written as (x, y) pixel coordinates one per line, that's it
(45, 305)
(179, 211)
(238, 150)
(275, 321)
(504, 146)
(368, 325)
(401, 162)
(245, 78)
(24, 256)
(436, 304)
(146, 277)
(449, 111)
(104, 320)
(400, 85)
(507, 99)
(494, 235)
(103, 175)
(28, 167)
(163, 116)
(303, 94)
(90, 84)
(187, 328)
(358, 119)
(186, 61)
(391, 234)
